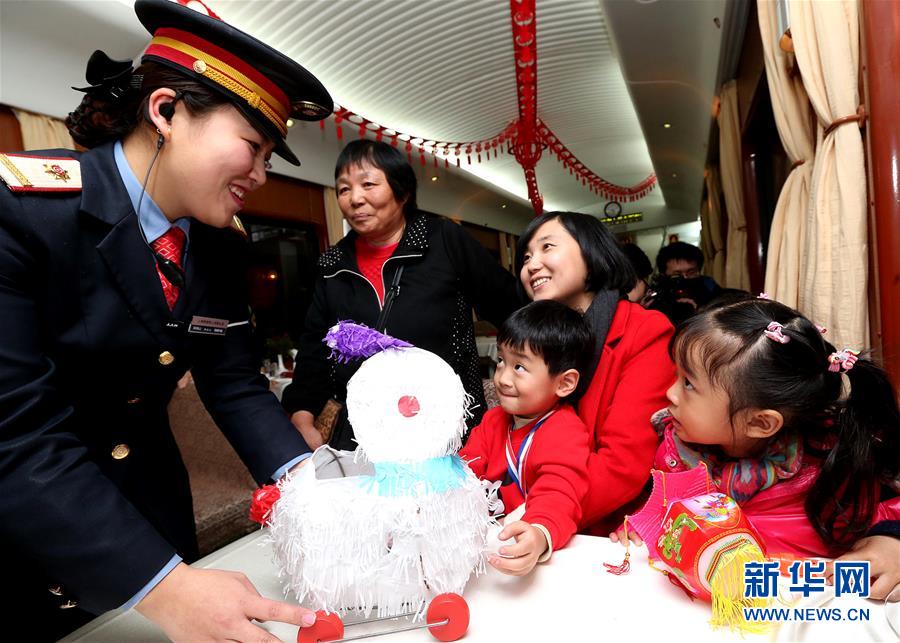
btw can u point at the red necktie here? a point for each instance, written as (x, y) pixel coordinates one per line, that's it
(169, 246)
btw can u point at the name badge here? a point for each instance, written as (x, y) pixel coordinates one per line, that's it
(174, 324)
(207, 326)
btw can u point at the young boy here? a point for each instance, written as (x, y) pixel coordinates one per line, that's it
(534, 442)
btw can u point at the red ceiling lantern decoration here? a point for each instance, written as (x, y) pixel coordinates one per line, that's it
(526, 138)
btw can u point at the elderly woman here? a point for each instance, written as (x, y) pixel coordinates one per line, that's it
(414, 275)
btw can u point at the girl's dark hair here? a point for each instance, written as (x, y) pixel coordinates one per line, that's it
(560, 335)
(399, 173)
(607, 266)
(101, 118)
(860, 435)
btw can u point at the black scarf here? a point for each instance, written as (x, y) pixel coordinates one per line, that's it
(599, 316)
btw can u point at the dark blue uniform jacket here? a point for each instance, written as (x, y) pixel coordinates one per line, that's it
(84, 325)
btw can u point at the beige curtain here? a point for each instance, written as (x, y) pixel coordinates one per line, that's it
(41, 132)
(736, 273)
(715, 257)
(833, 287)
(334, 219)
(795, 129)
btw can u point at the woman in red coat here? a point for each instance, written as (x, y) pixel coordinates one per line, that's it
(574, 259)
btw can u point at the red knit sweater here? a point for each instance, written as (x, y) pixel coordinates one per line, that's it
(555, 469)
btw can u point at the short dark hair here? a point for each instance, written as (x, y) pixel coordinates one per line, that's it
(607, 266)
(639, 260)
(678, 250)
(559, 334)
(399, 173)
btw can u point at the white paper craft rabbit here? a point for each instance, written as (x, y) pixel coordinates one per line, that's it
(402, 520)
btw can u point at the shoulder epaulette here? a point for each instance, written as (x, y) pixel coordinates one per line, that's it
(238, 227)
(24, 173)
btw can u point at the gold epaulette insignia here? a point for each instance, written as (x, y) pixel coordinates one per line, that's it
(24, 173)
(238, 227)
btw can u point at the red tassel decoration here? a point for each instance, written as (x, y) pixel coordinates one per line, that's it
(379, 135)
(622, 568)
(340, 133)
(322, 124)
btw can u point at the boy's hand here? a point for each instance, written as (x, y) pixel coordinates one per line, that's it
(519, 559)
(618, 536)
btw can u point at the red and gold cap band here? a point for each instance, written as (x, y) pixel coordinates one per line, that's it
(223, 68)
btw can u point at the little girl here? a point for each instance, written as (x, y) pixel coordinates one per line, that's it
(759, 398)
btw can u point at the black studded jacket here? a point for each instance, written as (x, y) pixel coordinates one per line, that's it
(446, 273)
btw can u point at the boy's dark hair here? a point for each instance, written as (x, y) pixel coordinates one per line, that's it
(607, 266)
(639, 260)
(863, 445)
(560, 335)
(399, 173)
(678, 250)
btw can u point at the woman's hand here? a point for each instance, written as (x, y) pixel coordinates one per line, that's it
(883, 554)
(305, 423)
(523, 556)
(618, 536)
(209, 604)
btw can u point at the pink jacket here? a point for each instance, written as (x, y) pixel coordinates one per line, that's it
(779, 516)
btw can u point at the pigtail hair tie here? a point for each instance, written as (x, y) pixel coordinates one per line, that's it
(843, 360)
(774, 332)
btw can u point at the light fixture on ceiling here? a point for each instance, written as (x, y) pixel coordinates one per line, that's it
(434, 178)
(674, 175)
(503, 206)
(667, 125)
(290, 122)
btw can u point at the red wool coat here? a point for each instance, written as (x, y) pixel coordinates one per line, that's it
(628, 386)
(555, 469)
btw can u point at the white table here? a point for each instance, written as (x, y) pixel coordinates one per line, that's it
(570, 598)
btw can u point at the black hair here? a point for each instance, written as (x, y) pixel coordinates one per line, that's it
(860, 435)
(639, 260)
(675, 251)
(560, 335)
(607, 266)
(399, 173)
(101, 117)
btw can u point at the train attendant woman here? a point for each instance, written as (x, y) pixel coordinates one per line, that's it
(119, 271)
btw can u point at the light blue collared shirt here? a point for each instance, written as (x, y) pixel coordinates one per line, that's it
(153, 221)
(155, 224)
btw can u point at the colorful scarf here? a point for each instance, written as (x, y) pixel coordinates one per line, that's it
(742, 478)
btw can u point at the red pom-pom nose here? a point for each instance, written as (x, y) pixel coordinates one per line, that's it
(408, 406)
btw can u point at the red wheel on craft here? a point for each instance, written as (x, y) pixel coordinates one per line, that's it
(328, 627)
(453, 609)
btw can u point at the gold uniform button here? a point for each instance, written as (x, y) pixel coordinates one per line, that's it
(120, 451)
(56, 590)
(68, 605)
(166, 358)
